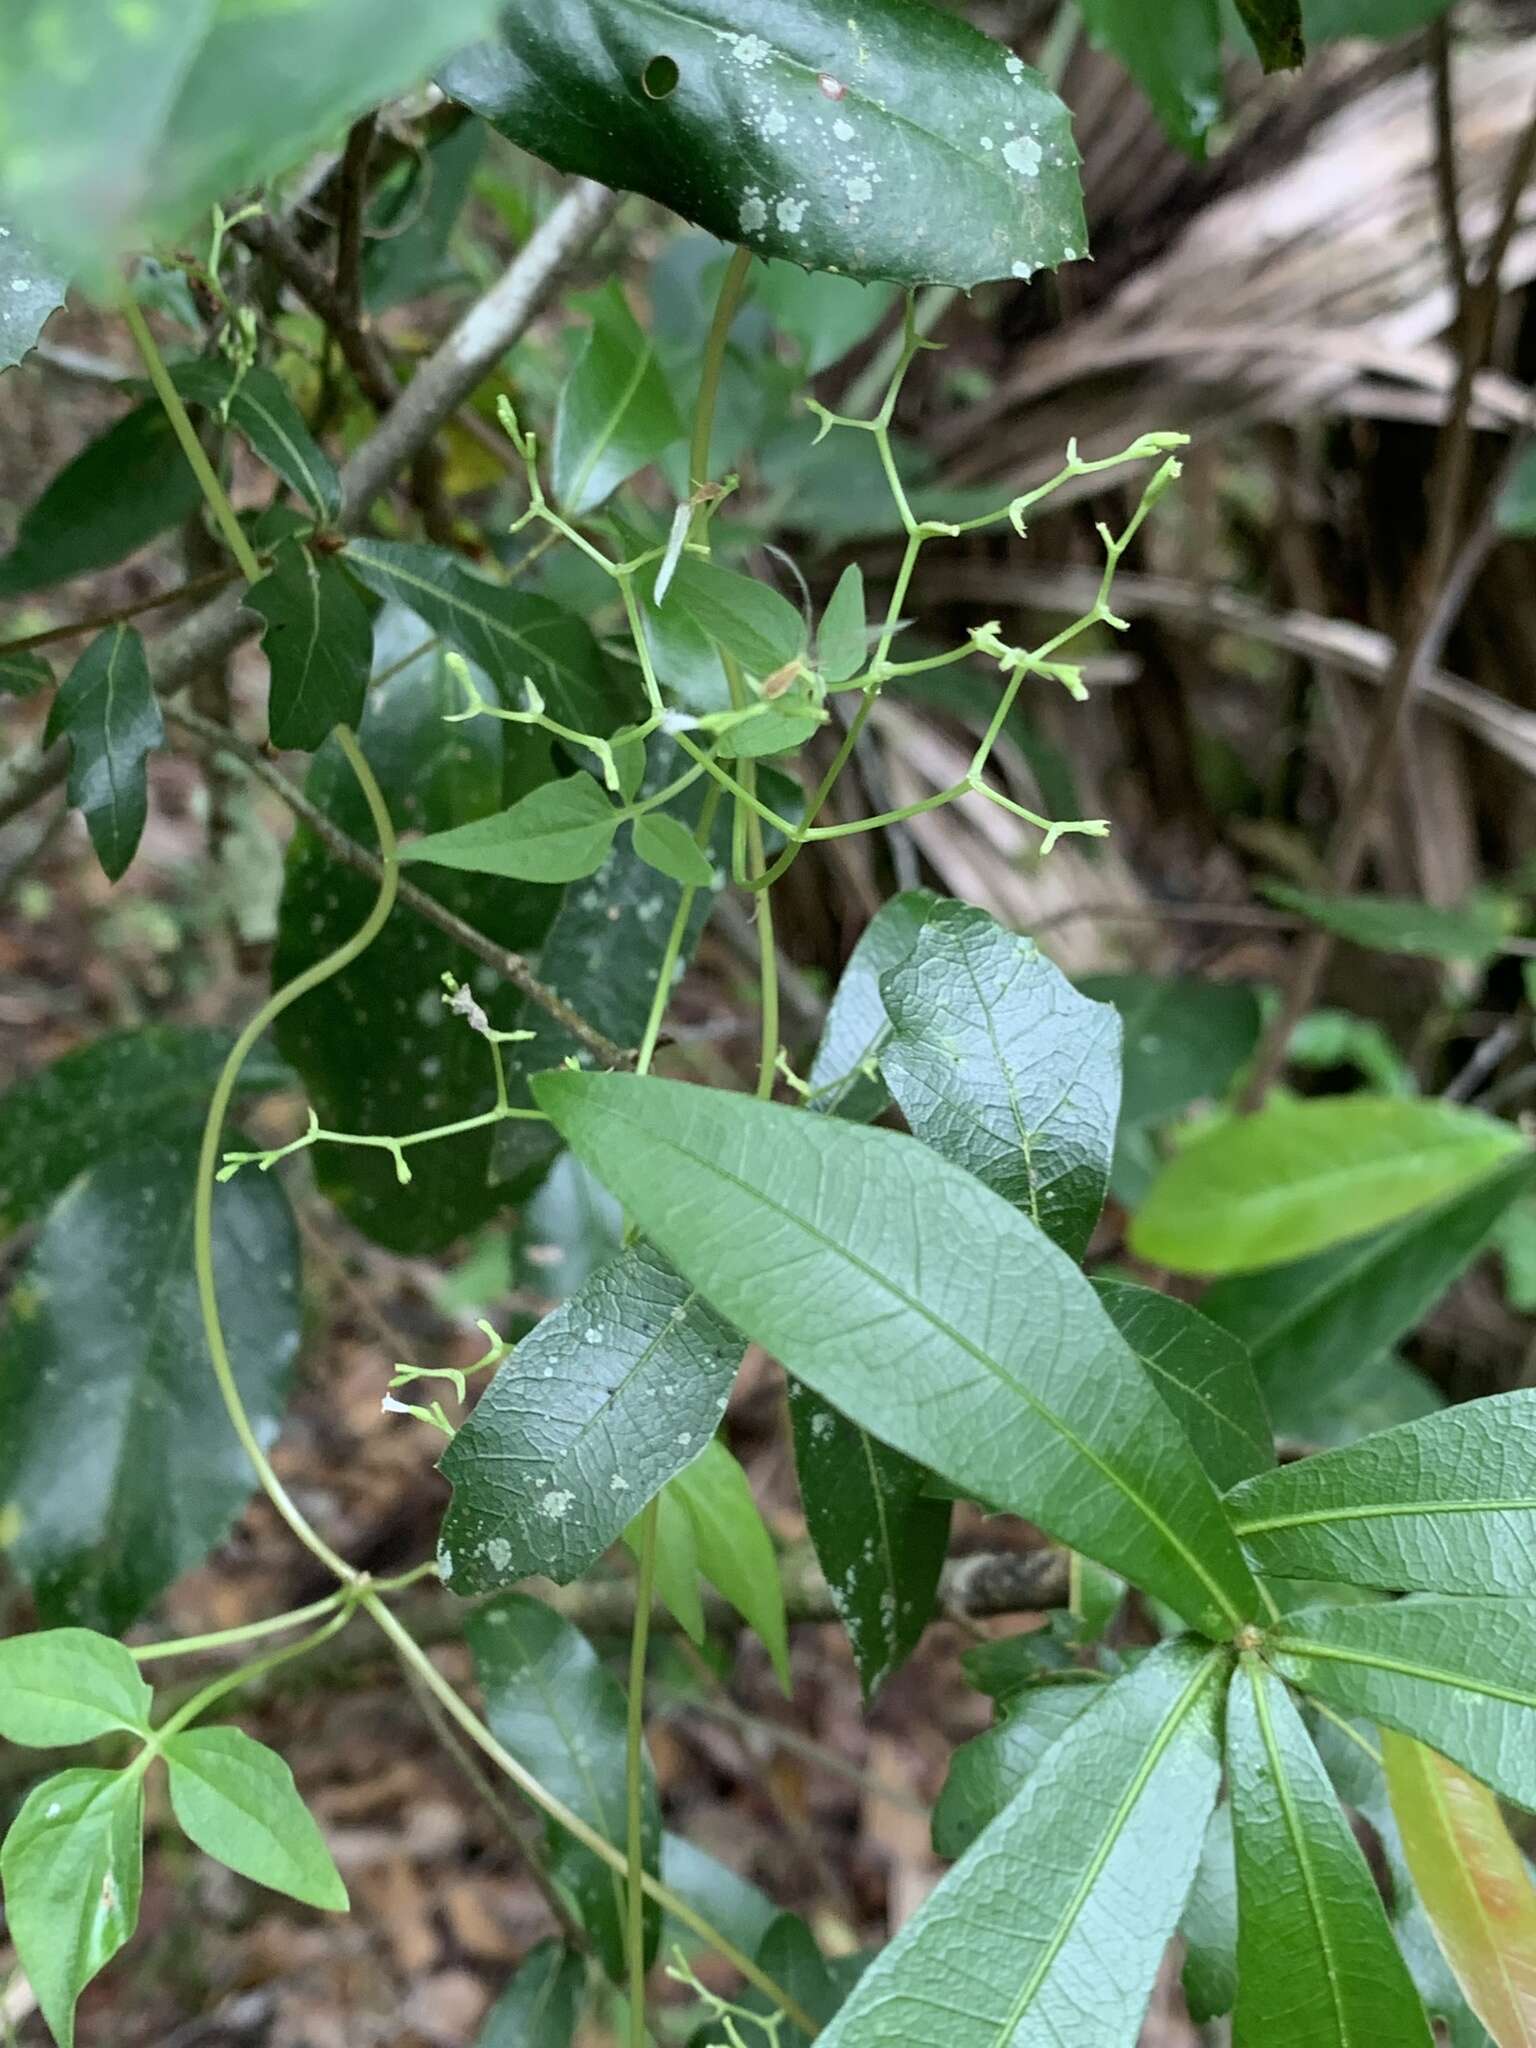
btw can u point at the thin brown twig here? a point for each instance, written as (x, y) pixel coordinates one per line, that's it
(1447, 182)
(1438, 593)
(195, 586)
(352, 197)
(511, 966)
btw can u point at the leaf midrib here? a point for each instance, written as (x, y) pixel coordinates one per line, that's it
(1397, 1667)
(1378, 1511)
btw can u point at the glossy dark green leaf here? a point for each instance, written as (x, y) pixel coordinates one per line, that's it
(667, 845)
(1301, 1176)
(376, 1048)
(73, 1868)
(1444, 1505)
(541, 2004)
(63, 1685)
(22, 674)
(559, 832)
(842, 644)
(1276, 29)
(107, 709)
(789, 1954)
(845, 1077)
(103, 1352)
(1203, 1374)
(1329, 20)
(1309, 1324)
(997, 1062)
(903, 1311)
(130, 484)
(512, 634)
(612, 1394)
(1173, 52)
(743, 616)
(256, 403)
(1209, 1926)
(987, 1773)
(1390, 925)
(1317, 1966)
(880, 1539)
(732, 1546)
(897, 143)
(129, 123)
(1012, 1945)
(236, 1799)
(1184, 1039)
(1460, 1674)
(552, 1702)
(1473, 1881)
(127, 1086)
(31, 288)
(616, 413)
(318, 644)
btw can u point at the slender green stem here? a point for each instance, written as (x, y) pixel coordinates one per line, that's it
(231, 1681)
(767, 959)
(634, 1781)
(192, 448)
(247, 1632)
(732, 285)
(662, 995)
(415, 1658)
(208, 1158)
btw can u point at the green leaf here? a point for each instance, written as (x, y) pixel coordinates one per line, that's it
(1203, 1374)
(1316, 1963)
(128, 124)
(1011, 1947)
(512, 634)
(256, 403)
(1209, 1926)
(607, 1400)
(667, 845)
(1443, 1505)
(1515, 510)
(558, 832)
(845, 1080)
(825, 315)
(1276, 28)
(734, 1550)
(880, 1539)
(1301, 1176)
(737, 1908)
(31, 288)
(1185, 1040)
(745, 617)
(318, 644)
(1045, 1415)
(73, 1868)
(236, 1799)
(111, 1093)
(541, 2005)
(1377, 1395)
(842, 642)
(1387, 924)
(987, 1773)
(997, 1062)
(781, 728)
(789, 1954)
(1473, 1882)
(130, 485)
(103, 1352)
(65, 1685)
(412, 222)
(1328, 21)
(23, 674)
(1460, 1674)
(376, 1049)
(616, 413)
(108, 711)
(678, 1566)
(1174, 54)
(897, 143)
(551, 1701)
(1306, 1323)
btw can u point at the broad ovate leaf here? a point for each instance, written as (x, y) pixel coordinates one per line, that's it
(1011, 1948)
(1301, 1176)
(236, 1799)
(1473, 1882)
(997, 1062)
(559, 832)
(318, 643)
(616, 413)
(1446, 1504)
(1317, 1966)
(609, 1397)
(892, 142)
(891, 1282)
(63, 1685)
(1459, 1674)
(107, 710)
